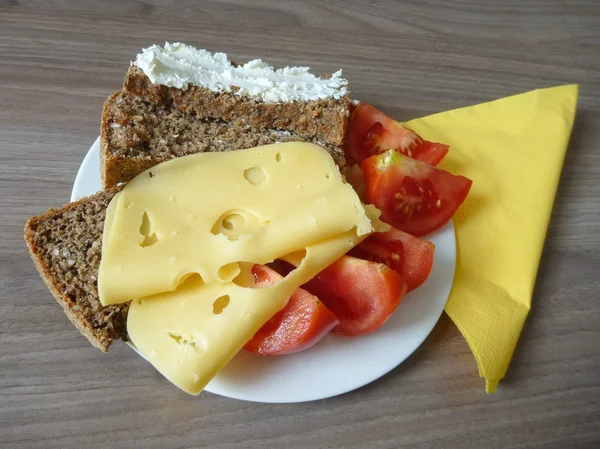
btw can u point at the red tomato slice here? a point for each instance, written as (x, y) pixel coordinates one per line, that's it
(303, 322)
(409, 256)
(362, 294)
(413, 196)
(372, 132)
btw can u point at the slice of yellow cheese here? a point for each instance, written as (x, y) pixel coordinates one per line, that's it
(181, 238)
(207, 212)
(190, 334)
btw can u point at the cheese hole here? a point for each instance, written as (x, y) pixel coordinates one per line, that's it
(145, 226)
(235, 223)
(256, 276)
(220, 304)
(284, 266)
(245, 278)
(279, 157)
(328, 175)
(227, 273)
(281, 267)
(253, 275)
(150, 237)
(189, 280)
(255, 176)
(296, 258)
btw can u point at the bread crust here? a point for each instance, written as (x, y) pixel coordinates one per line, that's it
(325, 120)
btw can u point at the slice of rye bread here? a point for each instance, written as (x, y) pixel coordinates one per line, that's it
(136, 135)
(66, 246)
(325, 119)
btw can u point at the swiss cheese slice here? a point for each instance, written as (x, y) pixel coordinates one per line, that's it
(190, 334)
(181, 238)
(207, 212)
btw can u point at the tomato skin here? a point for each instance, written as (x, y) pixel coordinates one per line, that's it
(303, 321)
(413, 196)
(371, 132)
(362, 294)
(409, 256)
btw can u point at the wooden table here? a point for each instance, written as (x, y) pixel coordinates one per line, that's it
(58, 62)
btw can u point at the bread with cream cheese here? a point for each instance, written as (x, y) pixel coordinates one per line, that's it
(323, 119)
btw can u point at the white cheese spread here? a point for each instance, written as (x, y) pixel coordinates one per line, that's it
(179, 65)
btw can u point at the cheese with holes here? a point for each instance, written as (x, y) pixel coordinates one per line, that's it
(190, 334)
(206, 212)
(180, 240)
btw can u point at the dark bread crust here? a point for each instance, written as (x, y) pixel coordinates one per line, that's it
(136, 135)
(66, 246)
(325, 120)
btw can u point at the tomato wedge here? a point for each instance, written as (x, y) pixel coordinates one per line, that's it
(372, 132)
(362, 294)
(409, 256)
(413, 196)
(303, 322)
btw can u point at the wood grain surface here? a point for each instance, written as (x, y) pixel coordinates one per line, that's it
(60, 59)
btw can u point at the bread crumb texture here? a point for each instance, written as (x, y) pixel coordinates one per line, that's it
(66, 246)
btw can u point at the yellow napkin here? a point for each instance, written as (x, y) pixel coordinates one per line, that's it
(513, 150)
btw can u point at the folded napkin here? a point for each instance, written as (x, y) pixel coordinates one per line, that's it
(513, 150)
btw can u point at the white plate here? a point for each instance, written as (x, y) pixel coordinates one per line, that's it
(336, 364)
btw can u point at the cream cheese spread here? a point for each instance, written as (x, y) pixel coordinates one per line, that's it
(179, 65)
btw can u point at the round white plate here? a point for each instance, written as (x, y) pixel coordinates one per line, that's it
(336, 364)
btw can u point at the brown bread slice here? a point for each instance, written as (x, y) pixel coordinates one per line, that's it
(325, 120)
(136, 135)
(66, 245)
